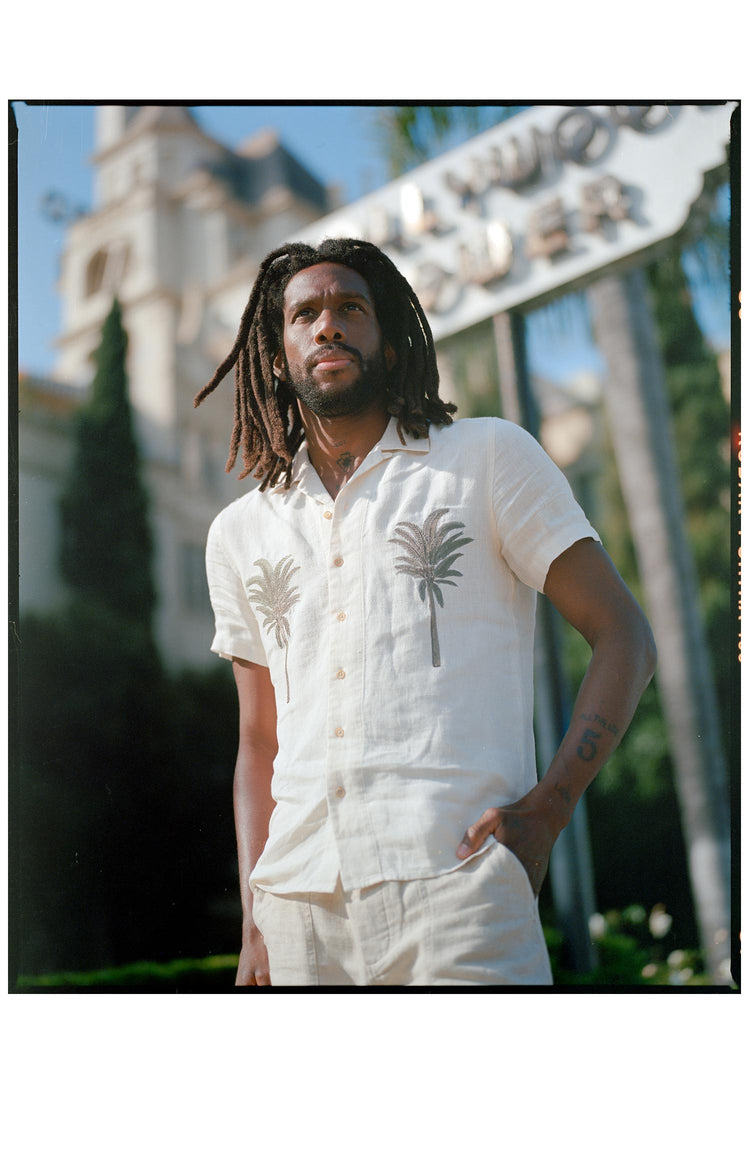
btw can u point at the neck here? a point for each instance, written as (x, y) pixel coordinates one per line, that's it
(337, 445)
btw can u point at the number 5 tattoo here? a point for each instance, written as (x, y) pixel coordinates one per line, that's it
(588, 748)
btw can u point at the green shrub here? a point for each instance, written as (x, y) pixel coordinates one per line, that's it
(196, 975)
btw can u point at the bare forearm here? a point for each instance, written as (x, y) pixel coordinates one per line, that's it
(621, 666)
(252, 811)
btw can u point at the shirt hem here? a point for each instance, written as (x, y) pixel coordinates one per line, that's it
(271, 887)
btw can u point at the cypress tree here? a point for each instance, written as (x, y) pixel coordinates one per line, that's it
(94, 729)
(124, 810)
(106, 547)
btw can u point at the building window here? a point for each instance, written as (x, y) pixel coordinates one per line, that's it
(194, 588)
(107, 268)
(95, 273)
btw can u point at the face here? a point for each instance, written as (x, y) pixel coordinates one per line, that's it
(334, 357)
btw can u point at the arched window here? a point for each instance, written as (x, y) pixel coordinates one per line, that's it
(95, 272)
(107, 268)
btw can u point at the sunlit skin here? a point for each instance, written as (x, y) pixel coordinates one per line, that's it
(335, 359)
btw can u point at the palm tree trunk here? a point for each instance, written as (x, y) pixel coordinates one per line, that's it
(433, 628)
(640, 423)
(286, 671)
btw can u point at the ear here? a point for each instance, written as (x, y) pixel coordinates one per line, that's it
(390, 357)
(278, 366)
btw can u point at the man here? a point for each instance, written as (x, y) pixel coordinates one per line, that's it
(376, 595)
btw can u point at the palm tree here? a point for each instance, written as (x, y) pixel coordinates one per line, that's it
(431, 550)
(640, 421)
(410, 134)
(274, 598)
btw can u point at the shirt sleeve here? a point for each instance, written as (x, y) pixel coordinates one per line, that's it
(536, 512)
(237, 633)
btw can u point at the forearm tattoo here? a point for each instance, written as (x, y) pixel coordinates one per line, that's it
(587, 748)
(602, 723)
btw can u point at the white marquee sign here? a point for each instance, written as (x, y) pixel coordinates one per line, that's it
(537, 203)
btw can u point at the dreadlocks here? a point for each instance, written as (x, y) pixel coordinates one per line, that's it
(267, 424)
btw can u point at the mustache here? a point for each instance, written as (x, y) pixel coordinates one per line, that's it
(324, 350)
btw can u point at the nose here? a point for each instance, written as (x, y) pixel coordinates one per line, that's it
(328, 328)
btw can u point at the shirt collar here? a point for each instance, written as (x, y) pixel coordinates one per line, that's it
(391, 440)
(307, 479)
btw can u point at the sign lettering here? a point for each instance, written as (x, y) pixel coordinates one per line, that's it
(542, 202)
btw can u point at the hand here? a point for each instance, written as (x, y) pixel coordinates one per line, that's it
(252, 969)
(523, 828)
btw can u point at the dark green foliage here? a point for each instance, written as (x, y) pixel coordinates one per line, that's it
(198, 839)
(91, 741)
(125, 817)
(92, 730)
(181, 976)
(106, 540)
(125, 834)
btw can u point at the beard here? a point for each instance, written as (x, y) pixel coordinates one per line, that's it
(368, 390)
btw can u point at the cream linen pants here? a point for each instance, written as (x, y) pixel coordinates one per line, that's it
(474, 926)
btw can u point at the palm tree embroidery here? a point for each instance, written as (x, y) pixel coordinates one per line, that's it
(274, 597)
(430, 553)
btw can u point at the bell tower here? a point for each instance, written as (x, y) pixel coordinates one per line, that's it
(137, 243)
(178, 226)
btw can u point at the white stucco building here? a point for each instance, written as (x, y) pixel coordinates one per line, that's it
(178, 227)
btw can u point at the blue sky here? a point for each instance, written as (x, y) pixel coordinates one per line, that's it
(338, 143)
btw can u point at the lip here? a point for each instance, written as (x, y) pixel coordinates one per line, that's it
(330, 360)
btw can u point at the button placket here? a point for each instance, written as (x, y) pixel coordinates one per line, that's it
(344, 738)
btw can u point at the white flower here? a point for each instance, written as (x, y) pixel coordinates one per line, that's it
(676, 958)
(597, 926)
(659, 921)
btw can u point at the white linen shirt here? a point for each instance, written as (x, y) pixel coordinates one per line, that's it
(397, 624)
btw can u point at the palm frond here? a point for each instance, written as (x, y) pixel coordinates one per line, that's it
(431, 551)
(414, 542)
(274, 595)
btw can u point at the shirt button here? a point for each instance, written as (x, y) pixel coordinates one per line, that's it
(328, 515)
(339, 792)
(339, 732)
(340, 674)
(338, 561)
(341, 616)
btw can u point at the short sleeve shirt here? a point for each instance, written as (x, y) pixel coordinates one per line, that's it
(397, 623)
